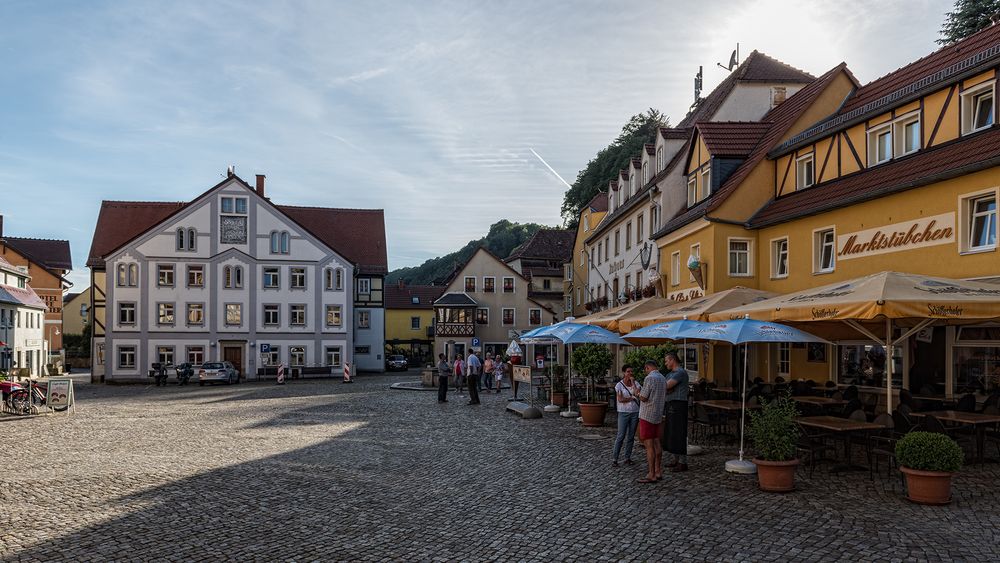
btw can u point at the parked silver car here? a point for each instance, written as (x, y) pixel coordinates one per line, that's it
(396, 362)
(218, 372)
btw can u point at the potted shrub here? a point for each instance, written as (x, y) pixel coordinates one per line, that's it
(928, 460)
(592, 362)
(774, 434)
(558, 385)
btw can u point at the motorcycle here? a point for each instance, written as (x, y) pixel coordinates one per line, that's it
(185, 372)
(159, 373)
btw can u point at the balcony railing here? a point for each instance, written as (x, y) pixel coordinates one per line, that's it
(455, 329)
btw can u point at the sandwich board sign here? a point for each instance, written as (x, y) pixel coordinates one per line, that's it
(59, 394)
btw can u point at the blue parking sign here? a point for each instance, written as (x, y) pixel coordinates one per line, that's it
(475, 343)
(265, 348)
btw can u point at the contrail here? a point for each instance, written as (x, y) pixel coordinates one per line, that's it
(552, 170)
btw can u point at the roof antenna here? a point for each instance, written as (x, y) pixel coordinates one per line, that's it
(697, 87)
(231, 171)
(734, 60)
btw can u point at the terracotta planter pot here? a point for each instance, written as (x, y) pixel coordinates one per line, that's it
(776, 476)
(927, 487)
(559, 399)
(593, 413)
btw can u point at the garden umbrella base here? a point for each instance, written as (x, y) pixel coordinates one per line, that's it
(741, 466)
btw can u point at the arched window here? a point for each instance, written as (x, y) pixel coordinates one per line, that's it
(192, 239)
(238, 276)
(275, 242)
(328, 278)
(227, 276)
(122, 275)
(340, 278)
(180, 239)
(285, 242)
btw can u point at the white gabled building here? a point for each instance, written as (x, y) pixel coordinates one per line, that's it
(232, 276)
(22, 322)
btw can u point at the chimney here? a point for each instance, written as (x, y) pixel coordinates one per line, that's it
(260, 184)
(401, 283)
(778, 95)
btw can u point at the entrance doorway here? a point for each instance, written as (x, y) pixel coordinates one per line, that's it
(233, 353)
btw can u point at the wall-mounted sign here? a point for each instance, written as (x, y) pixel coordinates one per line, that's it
(685, 294)
(616, 266)
(920, 233)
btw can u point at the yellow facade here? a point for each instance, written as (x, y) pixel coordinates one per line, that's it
(76, 313)
(401, 326)
(575, 289)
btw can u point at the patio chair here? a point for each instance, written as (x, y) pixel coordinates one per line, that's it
(711, 424)
(993, 432)
(811, 444)
(851, 407)
(830, 388)
(858, 415)
(851, 392)
(901, 423)
(967, 403)
(779, 379)
(992, 401)
(837, 395)
(870, 401)
(905, 409)
(882, 444)
(905, 398)
(932, 424)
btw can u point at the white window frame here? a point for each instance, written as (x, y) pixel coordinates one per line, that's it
(659, 158)
(675, 267)
(968, 108)
(239, 311)
(122, 307)
(168, 310)
(277, 277)
(800, 164)
(271, 308)
(364, 286)
(873, 136)
(190, 308)
(513, 284)
(292, 275)
(899, 137)
(692, 190)
(334, 356)
(628, 235)
(415, 323)
(513, 316)
(776, 258)
(364, 320)
(749, 253)
(639, 220)
(338, 315)
(294, 308)
(818, 244)
(645, 172)
(127, 349)
(784, 359)
(706, 182)
(966, 208)
(198, 269)
(162, 269)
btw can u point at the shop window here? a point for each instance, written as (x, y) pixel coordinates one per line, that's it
(779, 258)
(805, 172)
(863, 364)
(825, 259)
(784, 358)
(739, 257)
(977, 108)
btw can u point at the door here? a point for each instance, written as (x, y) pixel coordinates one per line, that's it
(234, 355)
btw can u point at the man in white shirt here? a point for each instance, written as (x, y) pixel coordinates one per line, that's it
(473, 368)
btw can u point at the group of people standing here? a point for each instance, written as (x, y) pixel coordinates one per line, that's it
(661, 401)
(473, 373)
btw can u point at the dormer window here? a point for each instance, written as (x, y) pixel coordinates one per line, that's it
(706, 183)
(692, 190)
(805, 167)
(977, 108)
(659, 159)
(645, 173)
(880, 145)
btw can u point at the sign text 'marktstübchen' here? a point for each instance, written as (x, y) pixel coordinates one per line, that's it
(926, 231)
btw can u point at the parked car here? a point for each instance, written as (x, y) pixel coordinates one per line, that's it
(218, 372)
(397, 362)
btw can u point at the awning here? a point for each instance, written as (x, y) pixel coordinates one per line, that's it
(610, 318)
(696, 309)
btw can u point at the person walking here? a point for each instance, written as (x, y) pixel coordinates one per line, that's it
(473, 369)
(443, 374)
(627, 406)
(677, 413)
(459, 369)
(498, 369)
(651, 398)
(488, 371)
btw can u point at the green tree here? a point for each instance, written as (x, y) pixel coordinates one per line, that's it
(604, 167)
(501, 240)
(636, 358)
(592, 362)
(968, 17)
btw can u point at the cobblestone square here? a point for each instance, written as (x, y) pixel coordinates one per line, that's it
(319, 470)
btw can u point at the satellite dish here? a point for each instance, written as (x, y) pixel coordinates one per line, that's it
(734, 59)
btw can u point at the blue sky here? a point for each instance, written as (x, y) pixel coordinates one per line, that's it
(429, 110)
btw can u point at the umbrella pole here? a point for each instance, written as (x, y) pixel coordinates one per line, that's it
(569, 412)
(740, 465)
(888, 366)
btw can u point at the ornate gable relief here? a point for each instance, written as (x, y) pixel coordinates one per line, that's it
(232, 229)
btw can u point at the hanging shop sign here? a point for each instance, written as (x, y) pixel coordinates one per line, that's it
(923, 232)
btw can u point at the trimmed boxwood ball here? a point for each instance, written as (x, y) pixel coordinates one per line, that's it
(929, 451)
(774, 431)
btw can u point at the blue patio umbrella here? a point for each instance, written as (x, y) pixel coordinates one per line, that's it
(572, 333)
(662, 332)
(744, 331)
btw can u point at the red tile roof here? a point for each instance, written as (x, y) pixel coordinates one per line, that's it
(975, 54)
(757, 67)
(680, 133)
(650, 149)
(732, 138)
(782, 117)
(963, 156)
(402, 297)
(47, 253)
(599, 203)
(356, 234)
(546, 244)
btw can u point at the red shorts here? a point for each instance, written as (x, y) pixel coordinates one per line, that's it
(650, 431)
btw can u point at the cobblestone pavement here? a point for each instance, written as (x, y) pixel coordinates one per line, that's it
(325, 471)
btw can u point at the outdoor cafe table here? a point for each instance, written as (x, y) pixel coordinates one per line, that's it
(725, 405)
(820, 401)
(840, 426)
(977, 420)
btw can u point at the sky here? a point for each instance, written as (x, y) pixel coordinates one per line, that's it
(430, 110)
